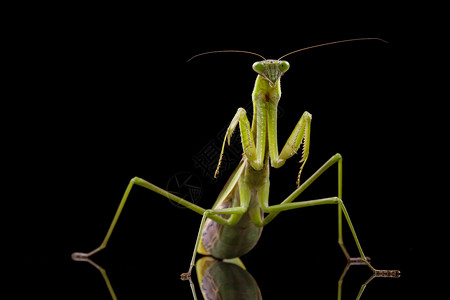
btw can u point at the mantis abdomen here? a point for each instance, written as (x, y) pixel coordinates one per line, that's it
(222, 241)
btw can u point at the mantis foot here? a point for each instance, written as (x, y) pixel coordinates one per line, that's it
(80, 256)
(376, 273)
(186, 276)
(387, 273)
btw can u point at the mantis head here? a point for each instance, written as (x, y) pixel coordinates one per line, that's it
(271, 70)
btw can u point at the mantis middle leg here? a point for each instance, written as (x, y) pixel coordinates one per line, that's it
(337, 158)
(336, 200)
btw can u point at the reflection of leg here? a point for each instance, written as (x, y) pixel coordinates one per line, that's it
(392, 274)
(102, 271)
(378, 273)
(341, 280)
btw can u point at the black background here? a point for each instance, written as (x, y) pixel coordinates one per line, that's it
(103, 94)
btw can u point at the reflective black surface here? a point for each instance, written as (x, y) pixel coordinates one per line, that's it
(225, 280)
(106, 95)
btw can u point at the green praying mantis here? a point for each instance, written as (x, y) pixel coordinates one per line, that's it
(233, 226)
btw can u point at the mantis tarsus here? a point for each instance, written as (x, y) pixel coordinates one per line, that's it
(233, 225)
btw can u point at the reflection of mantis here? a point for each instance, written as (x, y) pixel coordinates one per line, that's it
(234, 224)
(228, 280)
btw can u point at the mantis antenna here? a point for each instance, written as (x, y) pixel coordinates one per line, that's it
(219, 51)
(331, 43)
(303, 49)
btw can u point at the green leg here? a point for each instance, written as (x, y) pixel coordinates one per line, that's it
(337, 158)
(300, 134)
(254, 154)
(334, 200)
(274, 210)
(334, 159)
(187, 275)
(152, 187)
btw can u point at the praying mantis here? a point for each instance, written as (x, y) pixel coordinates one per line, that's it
(233, 226)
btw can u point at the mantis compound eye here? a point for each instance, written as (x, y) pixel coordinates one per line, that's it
(259, 67)
(284, 66)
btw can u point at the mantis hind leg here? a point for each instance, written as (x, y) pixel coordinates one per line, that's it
(274, 210)
(145, 184)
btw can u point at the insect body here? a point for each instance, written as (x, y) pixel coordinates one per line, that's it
(248, 187)
(223, 241)
(232, 227)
